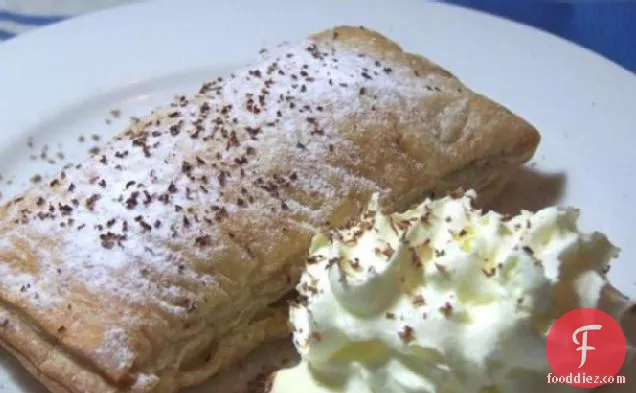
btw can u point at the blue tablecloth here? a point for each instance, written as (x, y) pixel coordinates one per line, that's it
(605, 26)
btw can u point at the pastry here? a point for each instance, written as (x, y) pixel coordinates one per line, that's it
(166, 256)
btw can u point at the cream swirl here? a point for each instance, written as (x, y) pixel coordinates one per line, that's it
(442, 299)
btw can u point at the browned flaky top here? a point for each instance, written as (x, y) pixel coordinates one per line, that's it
(198, 216)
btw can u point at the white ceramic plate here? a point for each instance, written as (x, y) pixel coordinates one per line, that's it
(61, 82)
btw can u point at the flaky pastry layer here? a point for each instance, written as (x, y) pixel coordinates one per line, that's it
(176, 238)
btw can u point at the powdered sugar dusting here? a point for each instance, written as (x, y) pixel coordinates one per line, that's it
(115, 348)
(126, 226)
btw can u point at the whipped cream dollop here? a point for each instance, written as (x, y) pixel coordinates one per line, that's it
(442, 298)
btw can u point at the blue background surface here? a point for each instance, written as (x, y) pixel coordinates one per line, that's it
(607, 27)
(604, 26)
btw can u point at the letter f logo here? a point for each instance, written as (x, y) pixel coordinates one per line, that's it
(584, 347)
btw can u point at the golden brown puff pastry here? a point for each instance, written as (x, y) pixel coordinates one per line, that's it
(160, 260)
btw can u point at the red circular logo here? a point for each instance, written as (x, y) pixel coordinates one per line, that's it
(585, 347)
